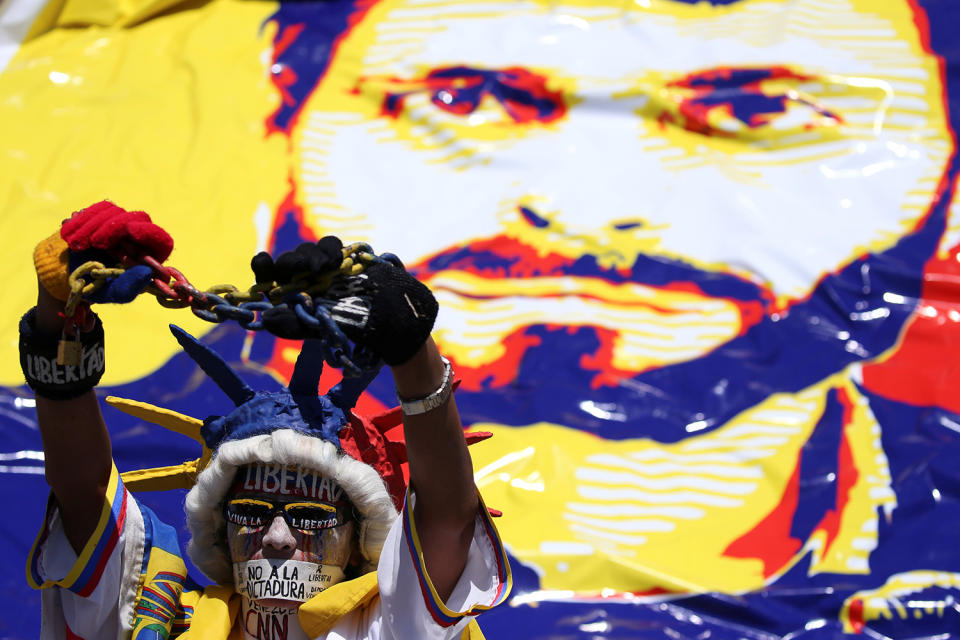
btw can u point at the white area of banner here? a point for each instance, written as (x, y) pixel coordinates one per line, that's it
(16, 16)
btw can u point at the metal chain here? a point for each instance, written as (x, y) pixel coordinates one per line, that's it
(224, 302)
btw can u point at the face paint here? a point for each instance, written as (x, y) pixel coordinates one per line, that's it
(289, 530)
(324, 546)
(283, 480)
(312, 516)
(276, 579)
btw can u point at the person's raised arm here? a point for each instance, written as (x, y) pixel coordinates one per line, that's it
(441, 472)
(76, 446)
(400, 316)
(77, 452)
(387, 311)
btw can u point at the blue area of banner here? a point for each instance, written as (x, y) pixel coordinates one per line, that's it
(312, 29)
(819, 466)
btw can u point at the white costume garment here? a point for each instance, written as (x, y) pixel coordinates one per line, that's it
(129, 582)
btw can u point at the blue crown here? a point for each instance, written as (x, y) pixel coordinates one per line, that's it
(299, 407)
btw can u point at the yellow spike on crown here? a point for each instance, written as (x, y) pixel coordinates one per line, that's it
(181, 476)
(166, 418)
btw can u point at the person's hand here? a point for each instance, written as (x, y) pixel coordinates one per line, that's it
(309, 261)
(384, 309)
(108, 234)
(120, 233)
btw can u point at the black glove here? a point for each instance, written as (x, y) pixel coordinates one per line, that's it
(308, 259)
(385, 310)
(282, 321)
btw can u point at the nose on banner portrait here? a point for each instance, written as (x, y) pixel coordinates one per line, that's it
(697, 266)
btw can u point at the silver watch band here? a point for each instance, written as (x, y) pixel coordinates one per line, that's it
(435, 399)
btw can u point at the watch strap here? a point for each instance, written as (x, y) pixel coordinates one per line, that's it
(437, 398)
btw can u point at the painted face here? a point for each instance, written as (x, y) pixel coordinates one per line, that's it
(680, 132)
(278, 513)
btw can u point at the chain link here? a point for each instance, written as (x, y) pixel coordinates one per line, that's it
(98, 275)
(226, 302)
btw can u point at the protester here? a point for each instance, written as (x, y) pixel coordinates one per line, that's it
(294, 514)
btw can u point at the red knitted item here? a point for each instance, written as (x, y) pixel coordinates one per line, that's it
(376, 441)
(121, 233)
(365, 439)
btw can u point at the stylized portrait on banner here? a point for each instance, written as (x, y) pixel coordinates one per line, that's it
(695, 263)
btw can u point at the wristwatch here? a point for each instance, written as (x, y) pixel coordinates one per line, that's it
(435, 399)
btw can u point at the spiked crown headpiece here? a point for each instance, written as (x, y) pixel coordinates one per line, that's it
(295, 427)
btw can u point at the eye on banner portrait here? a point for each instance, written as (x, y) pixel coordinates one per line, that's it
(697, 266)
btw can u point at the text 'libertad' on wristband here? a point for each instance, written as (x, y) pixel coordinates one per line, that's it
(44, 373)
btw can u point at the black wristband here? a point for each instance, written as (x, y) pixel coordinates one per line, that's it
(38, 360)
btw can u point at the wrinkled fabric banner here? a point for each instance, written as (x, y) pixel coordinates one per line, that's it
(697, 265)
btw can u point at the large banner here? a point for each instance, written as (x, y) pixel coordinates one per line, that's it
(697, 265)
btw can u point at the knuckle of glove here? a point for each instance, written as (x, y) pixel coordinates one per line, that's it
(289, 264)
(282, 322)
(79, 228)
(310, 259)
(82, 227)
(263, 268)
(327, 254)
(110, 228)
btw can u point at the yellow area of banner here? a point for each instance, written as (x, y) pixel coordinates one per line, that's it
(166, 116)
(592, 514)
(102, 13)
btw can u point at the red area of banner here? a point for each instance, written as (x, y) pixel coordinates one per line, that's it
(283, 76)
(770, 540)
(500, 372)
(855, 613)
(925, 369)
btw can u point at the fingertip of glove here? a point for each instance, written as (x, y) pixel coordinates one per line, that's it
(262, 265)
(290, 263)
(125, 287)
(50, 259)
(155, 239)
(304, 248)
(331, 244)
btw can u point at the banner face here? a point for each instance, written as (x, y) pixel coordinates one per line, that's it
(697, 266)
